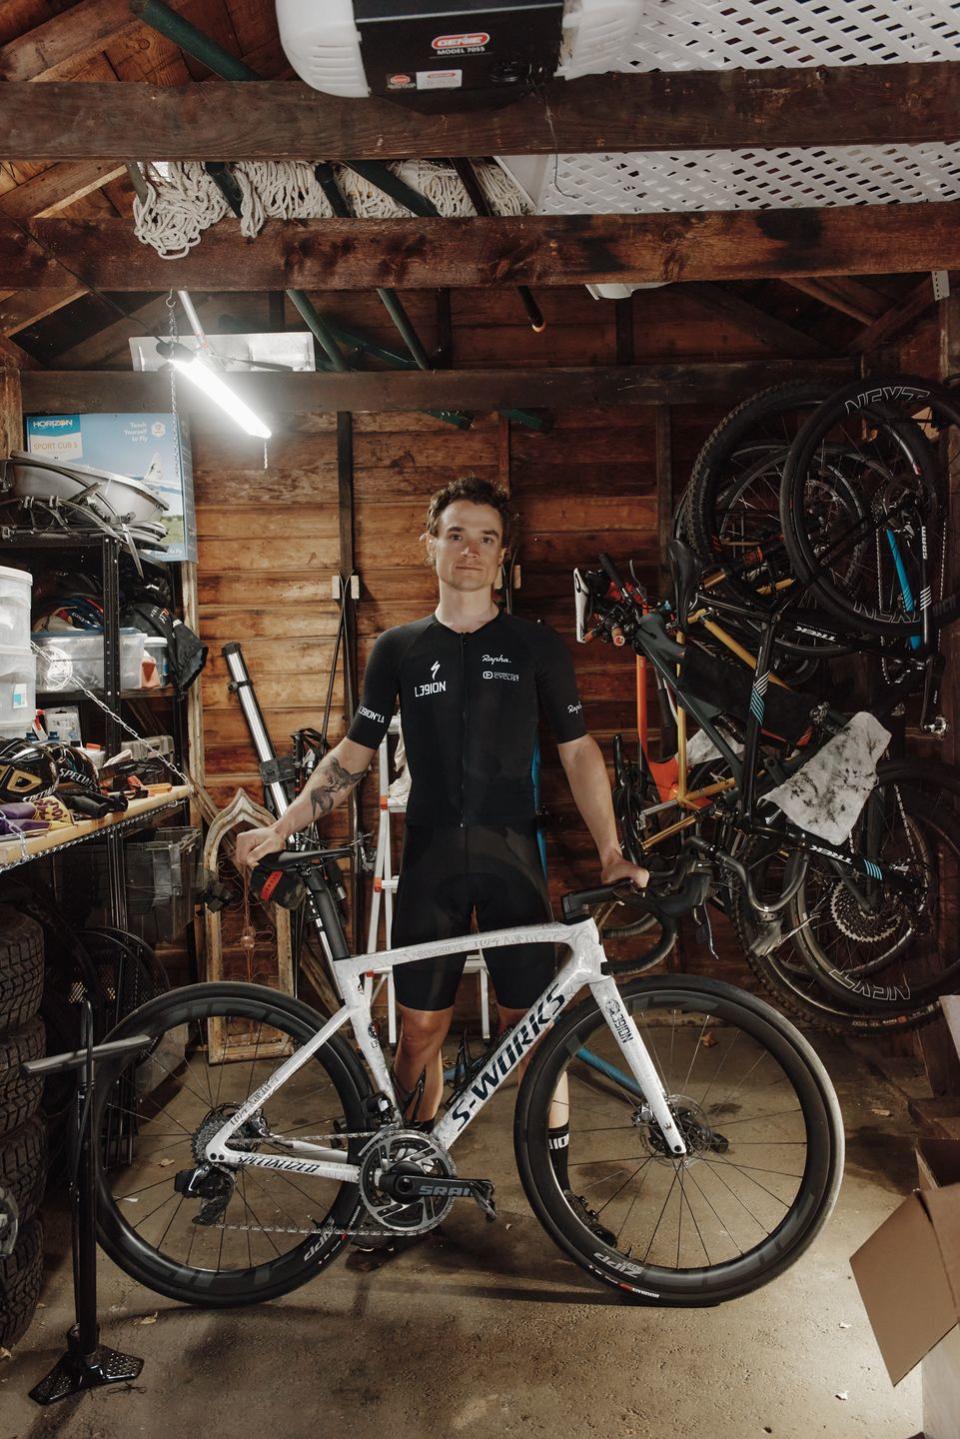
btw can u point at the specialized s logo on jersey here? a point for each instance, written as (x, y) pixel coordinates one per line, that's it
(433, 687)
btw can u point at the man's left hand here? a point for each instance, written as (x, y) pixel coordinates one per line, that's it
(620, 869)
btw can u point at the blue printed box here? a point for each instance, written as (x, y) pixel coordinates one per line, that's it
(153, 449)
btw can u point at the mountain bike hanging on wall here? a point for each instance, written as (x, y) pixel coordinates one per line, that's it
(711, 1144)
(851, 936)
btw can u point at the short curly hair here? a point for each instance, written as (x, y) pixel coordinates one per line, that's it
(478, 492)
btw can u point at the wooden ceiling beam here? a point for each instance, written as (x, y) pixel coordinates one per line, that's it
(14, 355)
(896, 318)
(26, 307)
(56, 187)
(60, 46)
(757, 323)
(544, 250)
(850, 297)
(274, 394)
(655, 110)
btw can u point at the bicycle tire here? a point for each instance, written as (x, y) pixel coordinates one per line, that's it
(795, 982)
(710, 476)
(820, 1120)
(866, 986)
(890, 403)
(253, 1283)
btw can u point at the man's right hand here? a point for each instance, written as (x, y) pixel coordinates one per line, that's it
(254, 844)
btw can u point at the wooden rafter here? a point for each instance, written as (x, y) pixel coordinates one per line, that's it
(481, 390)
(56, 187)
(26, 307)
(531, 249)
(895, 319)
(766, 328)
(656, 110)
(850, 297)
(62, 44)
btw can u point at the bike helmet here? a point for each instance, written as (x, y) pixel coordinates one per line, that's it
(76, 768)
(77, 612)
(27, 770)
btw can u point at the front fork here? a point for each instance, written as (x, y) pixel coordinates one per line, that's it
(638, 1061)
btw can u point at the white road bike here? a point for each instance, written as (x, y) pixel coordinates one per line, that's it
(704, 1131)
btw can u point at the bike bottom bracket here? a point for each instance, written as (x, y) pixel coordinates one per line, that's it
(404, 1151)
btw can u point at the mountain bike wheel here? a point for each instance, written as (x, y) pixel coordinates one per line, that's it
(870, 947)
(899, 438)
(762, 1126)
(733, 497)
(275, 1230)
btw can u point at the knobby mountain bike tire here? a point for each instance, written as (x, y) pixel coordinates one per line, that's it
(876, 990)
(762, 1126)
(745, 455)
(913, 430)
(276, 1232)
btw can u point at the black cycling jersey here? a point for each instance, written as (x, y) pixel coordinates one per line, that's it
(469, 706)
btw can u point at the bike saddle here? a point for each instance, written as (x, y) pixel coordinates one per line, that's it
(685, 572)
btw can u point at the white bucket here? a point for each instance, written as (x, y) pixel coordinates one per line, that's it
(18, 689)
(15, 588)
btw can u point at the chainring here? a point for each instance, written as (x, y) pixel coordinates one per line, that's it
(415, 1151)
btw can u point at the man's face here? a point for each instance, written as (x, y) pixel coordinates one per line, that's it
(469, 546)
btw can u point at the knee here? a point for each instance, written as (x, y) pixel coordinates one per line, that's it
(423, 1030)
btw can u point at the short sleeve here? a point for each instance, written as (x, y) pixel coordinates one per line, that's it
(557, 687)
(381, 683)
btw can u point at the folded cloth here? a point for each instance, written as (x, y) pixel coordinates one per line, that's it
(827, 793)
(19, 809)
(17, 828)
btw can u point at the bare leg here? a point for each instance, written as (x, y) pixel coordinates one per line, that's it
(422, 1032)
(560, 1103)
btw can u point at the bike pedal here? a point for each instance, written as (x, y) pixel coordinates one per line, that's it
(482, 1192)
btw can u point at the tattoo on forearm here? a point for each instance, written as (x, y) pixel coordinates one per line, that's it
(334, 782)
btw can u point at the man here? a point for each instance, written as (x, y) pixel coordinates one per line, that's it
(471, 680)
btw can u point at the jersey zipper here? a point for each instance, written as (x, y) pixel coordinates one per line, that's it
(463, 725)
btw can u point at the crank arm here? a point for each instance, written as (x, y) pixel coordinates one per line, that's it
(409, 1187)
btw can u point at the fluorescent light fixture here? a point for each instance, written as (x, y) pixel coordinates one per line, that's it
(196, 370)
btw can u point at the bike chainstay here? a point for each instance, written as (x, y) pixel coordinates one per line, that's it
(320, 1231)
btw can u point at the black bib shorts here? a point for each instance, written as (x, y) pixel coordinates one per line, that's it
(448, 875)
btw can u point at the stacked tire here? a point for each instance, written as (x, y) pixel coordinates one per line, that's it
(23, 1136)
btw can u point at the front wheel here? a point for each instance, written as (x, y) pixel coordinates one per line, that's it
(218, 1236)
(760, 1119)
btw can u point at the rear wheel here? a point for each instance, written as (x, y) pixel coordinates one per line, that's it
(242, 1235)
(760, 1119)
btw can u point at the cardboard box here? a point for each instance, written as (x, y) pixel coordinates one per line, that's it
(908, 1274)
(151, 448)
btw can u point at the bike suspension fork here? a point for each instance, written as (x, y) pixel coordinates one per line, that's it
(758, 704)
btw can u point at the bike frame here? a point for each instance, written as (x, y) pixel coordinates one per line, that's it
(585, 966)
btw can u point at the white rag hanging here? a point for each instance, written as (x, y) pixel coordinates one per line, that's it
(826, 795)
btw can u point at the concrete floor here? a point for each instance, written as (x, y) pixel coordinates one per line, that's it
(488, 1331)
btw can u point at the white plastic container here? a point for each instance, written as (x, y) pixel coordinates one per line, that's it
(155, 648)
(67, 662)
(15, 589)
(18, 690)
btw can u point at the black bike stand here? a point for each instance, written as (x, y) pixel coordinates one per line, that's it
(86, 1364)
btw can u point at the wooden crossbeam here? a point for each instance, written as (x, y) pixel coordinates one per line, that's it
(850, 297)
(24, 308)
(60, 46)
(766, 328)
(656, 110)
(895, 319)
(56, 187)
(545, 250)
(275, 394)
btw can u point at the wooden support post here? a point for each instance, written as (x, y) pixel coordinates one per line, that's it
(664, 478)
(11, 410)
(935, 1042)
(349, 640)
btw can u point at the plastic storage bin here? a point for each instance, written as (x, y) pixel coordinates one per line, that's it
(15, 591)
(18, 690)
(162, 882)
(67, 662)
